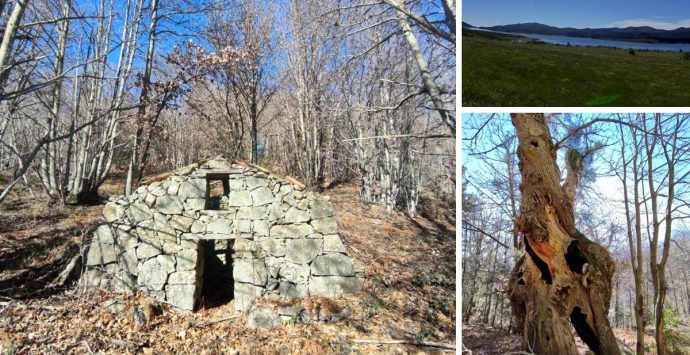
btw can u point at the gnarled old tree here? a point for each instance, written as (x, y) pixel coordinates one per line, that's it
(564, 279)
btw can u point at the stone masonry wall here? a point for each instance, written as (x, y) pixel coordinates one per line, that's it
(286, 241)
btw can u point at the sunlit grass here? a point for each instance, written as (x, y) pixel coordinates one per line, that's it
(504, 73)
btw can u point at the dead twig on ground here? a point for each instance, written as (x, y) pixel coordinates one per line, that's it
(408, 342)
(204, 324)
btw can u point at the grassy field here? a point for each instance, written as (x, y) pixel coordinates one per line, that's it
(497, 71)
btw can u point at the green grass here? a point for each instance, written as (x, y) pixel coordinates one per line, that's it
(496, 71)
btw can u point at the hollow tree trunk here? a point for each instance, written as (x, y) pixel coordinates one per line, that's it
(564, 280)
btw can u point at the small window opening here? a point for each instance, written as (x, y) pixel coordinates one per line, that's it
(218, 284)
(217, 186)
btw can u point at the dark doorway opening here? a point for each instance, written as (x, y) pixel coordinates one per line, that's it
(218, 286)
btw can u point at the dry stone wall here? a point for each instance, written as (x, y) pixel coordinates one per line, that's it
(285, 241)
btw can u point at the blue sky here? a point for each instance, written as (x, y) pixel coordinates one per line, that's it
(664, 14)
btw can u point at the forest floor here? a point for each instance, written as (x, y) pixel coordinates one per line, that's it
(483, 339)
(409, 292)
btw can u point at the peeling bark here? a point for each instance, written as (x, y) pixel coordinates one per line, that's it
(564, 279)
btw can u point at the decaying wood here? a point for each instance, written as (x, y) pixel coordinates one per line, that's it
(408, 342)
(564, 279)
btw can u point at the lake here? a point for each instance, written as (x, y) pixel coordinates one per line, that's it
(591, 42)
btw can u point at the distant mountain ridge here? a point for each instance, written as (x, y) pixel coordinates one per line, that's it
(636, 34)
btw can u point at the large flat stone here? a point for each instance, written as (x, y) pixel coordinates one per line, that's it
(295, 273)
(167, 204)
(182, 278)
(139, 212)
(273, 246)
(302, 251)
(332, 286)
(262, 196)
(239, 198)
(183, 296)
(262, 317)
(291, 231)
(113, 212)
(128, 261)
(220, 226)
(325, 225)
(332, 265)
(152, 275)
(102, 253)
(192, 188)
(254, 182)
(244, 294)
(294, 215)
(251, 271)
(181, 223)
(320, 209)
(104, 234)
(333, 244)
(187, 259)
(145, 251)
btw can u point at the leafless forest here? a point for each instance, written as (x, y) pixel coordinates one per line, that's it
(329, 92)
(354, 99)
(575, 233)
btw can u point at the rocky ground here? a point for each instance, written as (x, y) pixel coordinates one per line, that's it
(408, 295)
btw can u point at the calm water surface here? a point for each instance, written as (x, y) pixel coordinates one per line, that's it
(590, 42)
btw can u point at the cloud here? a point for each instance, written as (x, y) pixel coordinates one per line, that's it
(662, 25)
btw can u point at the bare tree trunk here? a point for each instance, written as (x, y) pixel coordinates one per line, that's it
(427, 79)
(10, 32)
(564, 280)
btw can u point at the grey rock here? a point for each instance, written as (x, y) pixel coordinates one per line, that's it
(220, 226)
(182, 278)
(295, 273)
(251, 271)
(273, 265)
(198, 227)
(173, 188)
(128, 261)
(138, 212)
(302, 251)
(182, 296)
(295, 215)
(243, 226)
(291, 231)
(261, 228)
(262, 196)
(122, 283)
(290, 290)
(333, 244)
(244, 294)
(139, 317)
(192, 188)
(152, 275)
(262, 317)
(145, 251)
(187, 259)
(167, 263)
(101, 253)
(239, 198)
(251, 213)
(113, 212)
(332, 265)
(236, 184)
(170, 247)
(168, 205)
(325, 225)
(321, 209)
(332, 286)
(273, 247)
(104, 234)
(275, 212)
(181, 223)
(150, 199)
(254, 182)
(194, 204)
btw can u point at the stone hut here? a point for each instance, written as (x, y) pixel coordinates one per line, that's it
(260, 231)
